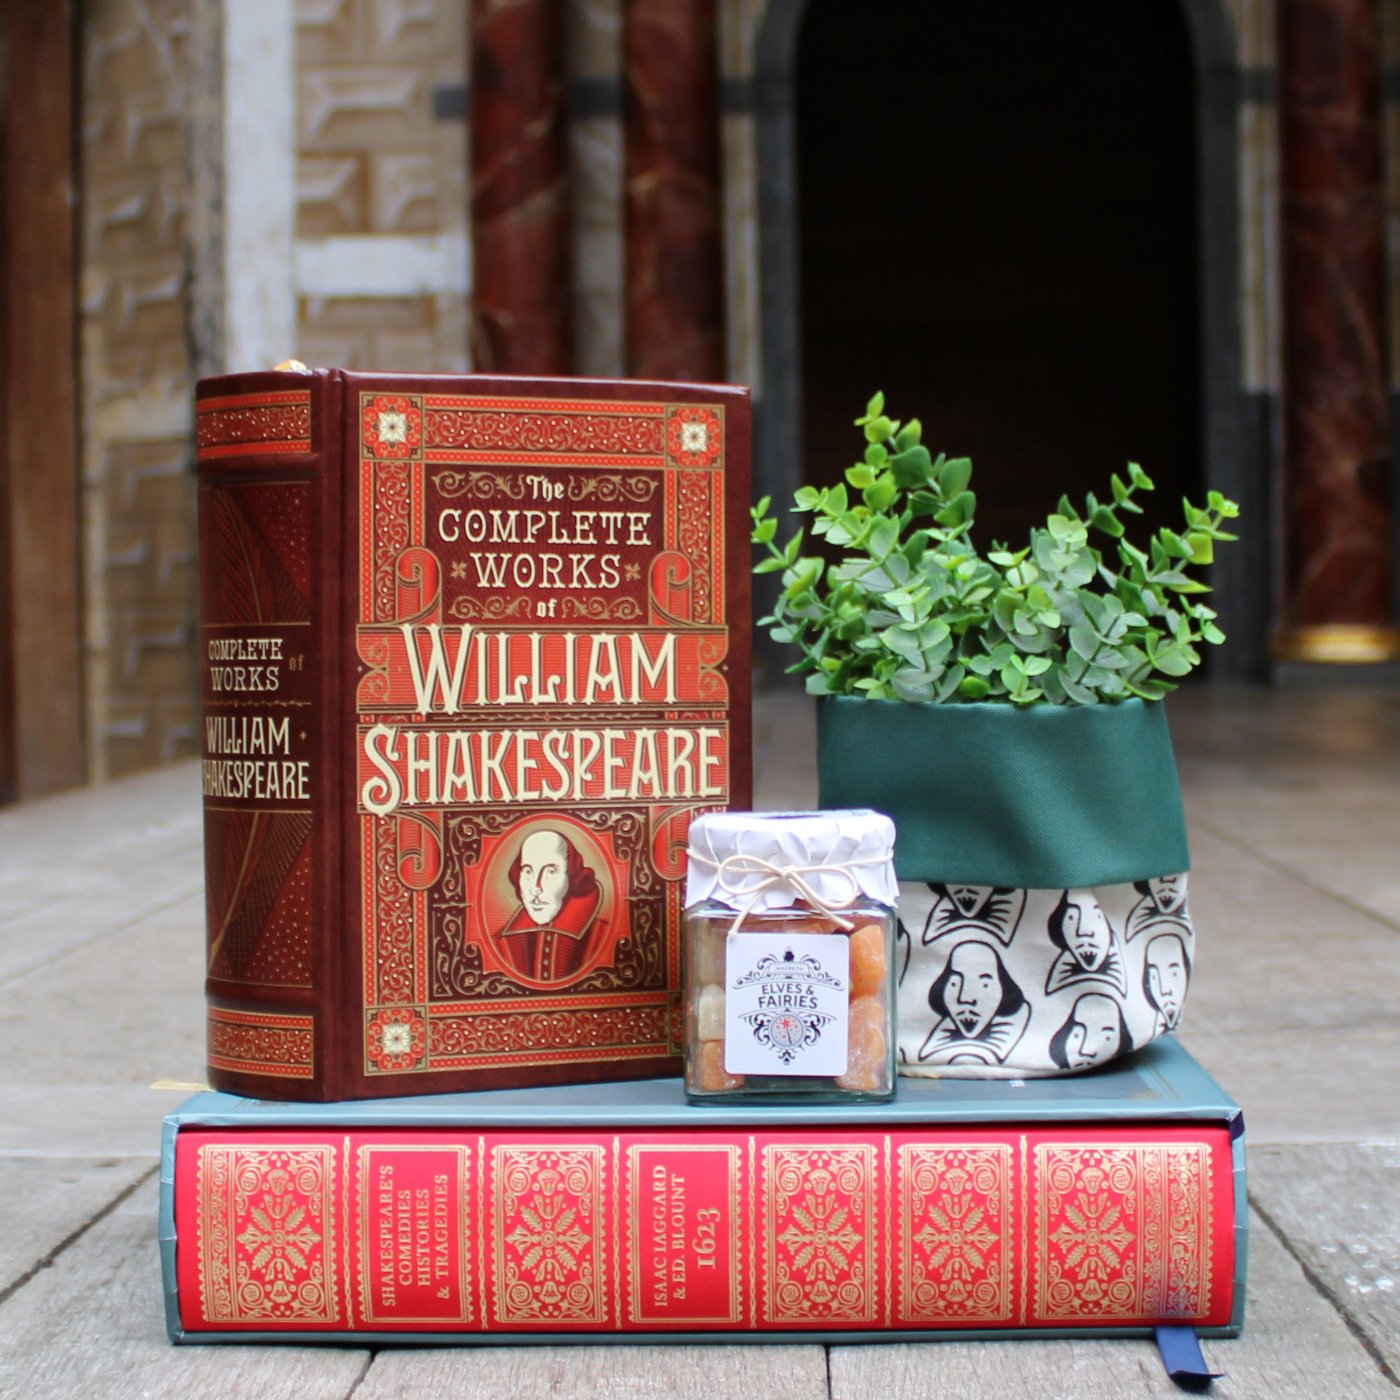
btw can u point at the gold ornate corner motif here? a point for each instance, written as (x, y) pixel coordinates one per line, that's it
(1122, 1232)
(695, 436)
(956, 1229)
(548, 1228)
(396, 1039)
(265, 1235)
(820, 1229)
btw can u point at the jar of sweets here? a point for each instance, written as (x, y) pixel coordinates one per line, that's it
(789, 955)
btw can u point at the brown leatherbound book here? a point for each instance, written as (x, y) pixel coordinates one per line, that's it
(474, 651)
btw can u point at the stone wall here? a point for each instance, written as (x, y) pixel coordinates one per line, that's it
(381, 267)
(138, 497)
(381, 190)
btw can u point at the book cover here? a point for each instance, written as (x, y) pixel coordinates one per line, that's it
(474, 651)
(1109, 1202)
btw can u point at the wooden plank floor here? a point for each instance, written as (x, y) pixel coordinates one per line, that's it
(1294, 806)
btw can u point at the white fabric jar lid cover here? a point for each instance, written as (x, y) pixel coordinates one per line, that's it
(844, 857)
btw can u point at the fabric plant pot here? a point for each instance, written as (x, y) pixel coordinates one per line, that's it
(1042, 859)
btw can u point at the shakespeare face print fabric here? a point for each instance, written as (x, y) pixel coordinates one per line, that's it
(998, 983)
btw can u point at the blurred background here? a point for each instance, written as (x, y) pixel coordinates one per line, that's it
(1063, 234)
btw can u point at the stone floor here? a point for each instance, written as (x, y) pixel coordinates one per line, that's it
(1294, 807)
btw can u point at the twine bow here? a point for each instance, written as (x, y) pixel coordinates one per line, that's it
(750, 877)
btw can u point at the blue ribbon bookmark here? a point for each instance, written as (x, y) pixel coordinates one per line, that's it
(1181, 1355)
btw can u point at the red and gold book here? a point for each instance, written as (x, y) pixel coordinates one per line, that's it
(474, 651)
(1104, 1202)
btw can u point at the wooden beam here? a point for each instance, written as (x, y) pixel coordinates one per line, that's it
(41, 727)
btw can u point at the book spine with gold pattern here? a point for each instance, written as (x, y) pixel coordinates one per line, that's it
(269, 480)
(475, 1234)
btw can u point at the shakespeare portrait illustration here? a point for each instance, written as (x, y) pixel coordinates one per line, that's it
(982, 909)
(1166, 974)
(981, 1011)
(1161, 908)
(553, 933)
(1094, 1031)
(1089, 950)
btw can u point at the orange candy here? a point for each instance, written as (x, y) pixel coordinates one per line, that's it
(708, 960)
(709, 1013)
(710, 1074)
(866, 1058)
(869, 965)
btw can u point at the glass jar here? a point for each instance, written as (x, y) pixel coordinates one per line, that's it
(789, 939)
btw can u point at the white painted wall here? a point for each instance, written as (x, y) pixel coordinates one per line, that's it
(259, 149)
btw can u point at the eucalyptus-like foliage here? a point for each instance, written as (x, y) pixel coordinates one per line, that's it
(913, 612)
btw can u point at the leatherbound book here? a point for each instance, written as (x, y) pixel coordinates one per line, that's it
(1110, 1202)
(474, 651)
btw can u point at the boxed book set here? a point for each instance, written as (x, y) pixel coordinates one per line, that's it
(522, 1027)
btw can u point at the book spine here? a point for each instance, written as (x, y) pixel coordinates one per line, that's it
(267, 449)
(468, 1231)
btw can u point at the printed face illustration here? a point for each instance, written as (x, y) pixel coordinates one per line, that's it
(1094, 1033)
(544, 875)
(1167, 975)
(974, 987)
(1168, 892)
(1087, 934)
(968, 898)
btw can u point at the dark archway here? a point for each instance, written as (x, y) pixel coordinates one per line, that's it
(1005, 241)
(1019, 220)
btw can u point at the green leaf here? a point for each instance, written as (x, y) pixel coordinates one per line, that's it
(912, 467)
(1103, 518)
(881, 494)
(950, 684)
(1202, 548)
(909, 434)
(1139, 478)
(1079, 694)
(1172, 660)
(1175, 546)
(974, 688)
(958, 511)
(912, 685)
(884, 535)
(954, 476)
(901, 642)
(1083, 642)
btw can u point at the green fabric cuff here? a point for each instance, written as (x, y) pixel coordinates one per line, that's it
(1040, 797)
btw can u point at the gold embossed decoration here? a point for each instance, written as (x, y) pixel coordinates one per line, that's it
(547, 1208)
(1122, 1232)
(956, 1235)
(820, 1234)
(266, 1235)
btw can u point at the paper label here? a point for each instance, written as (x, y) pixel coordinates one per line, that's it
(787, 1008)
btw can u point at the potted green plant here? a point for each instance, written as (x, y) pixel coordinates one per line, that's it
(1005, 709)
